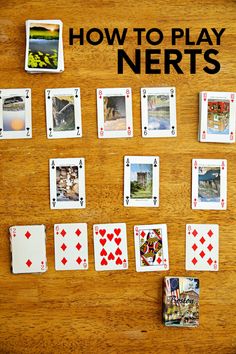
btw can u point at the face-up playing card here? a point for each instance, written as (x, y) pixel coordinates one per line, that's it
(71, 246)
(28, 248)
(202, 247)
(15, 114)
(63, 113)
(141, 181)
(44, 47)
(114, 113)
(209, 184)
(217, 117)
(110, 246)
(151, 247)
(67, 183)
(158, 106)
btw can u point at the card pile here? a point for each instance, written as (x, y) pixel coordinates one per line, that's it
(217, 112)
(181, 302)
(44, 46)
(202, 247)
(141, 181)
(151, 248)
(209, 184)
(28, 248)
(15, 114)
(63, 113)
(158, 108)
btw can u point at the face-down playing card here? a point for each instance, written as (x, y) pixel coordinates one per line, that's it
(71, 246)
(202, 247)
(110, 246)
(28, 248)
(151, 247)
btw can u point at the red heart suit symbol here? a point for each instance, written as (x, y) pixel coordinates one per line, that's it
(103, 262)
(111, 256)
(102, 232)
(118, 251)
(103, 252)
(110, 236)
(103, 241)
(117, 231)
(117, 240)
(118, 261)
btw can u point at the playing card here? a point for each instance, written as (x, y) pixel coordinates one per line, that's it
(44, 47)
(67, 183)
(63, 113)
(71, 246)
(15, 114)
(181, 301)
(114, 113)
(209, 184)
(151, 247)
(141, 181)
(110, 246)
(202, 247)
(217, 117)
(158, 107)
(28, 248)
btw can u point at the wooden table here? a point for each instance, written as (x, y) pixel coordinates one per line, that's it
(113, 312)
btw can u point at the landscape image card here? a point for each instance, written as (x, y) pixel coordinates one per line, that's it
(63, 113)
(141, 181)
(151, 248)
(181, 301)
(217, 117)
(67, 183)
(114, 113)
(15, 114)
(158, 106)
(209, 184)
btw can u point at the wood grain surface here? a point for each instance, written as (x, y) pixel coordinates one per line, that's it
(113, 312)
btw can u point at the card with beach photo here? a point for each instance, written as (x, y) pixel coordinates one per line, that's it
(15, 114)
(63, 113)
(158, 108)
(114, 113)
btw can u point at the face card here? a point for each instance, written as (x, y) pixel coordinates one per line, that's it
(110, 247)
(44, 47)
(28, 248)
(67, 183)
(202, 247)
(151, 248)
(209, 184)
(71, 246)
(141, 181)
(63, 113)
(114, 113)
(217, 117)
(15, 114)
(158, 107)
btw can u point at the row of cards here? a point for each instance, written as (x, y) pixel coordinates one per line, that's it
(28, 247)
(141, 183)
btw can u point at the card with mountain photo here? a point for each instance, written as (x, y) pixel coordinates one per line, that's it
(67, 183)
(63, 113)
(114, 113)
(141, 181)
(44, 46)
(158, 108)
(15, 114)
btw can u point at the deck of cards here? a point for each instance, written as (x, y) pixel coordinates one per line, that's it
(28, 249)
(181, 301)
(217, 112)
(44, 46)
(158, 108)
(15, 114)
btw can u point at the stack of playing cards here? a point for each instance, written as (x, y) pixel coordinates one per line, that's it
(181, 302)
(28, 248)
(217, 117)
(44, 47)
(15, 114)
